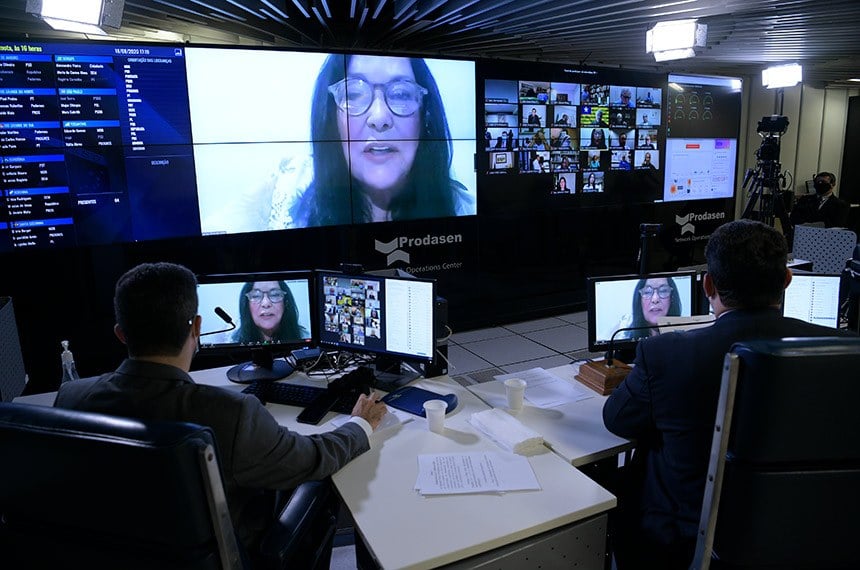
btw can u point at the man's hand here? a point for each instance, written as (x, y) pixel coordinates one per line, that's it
(370, 408)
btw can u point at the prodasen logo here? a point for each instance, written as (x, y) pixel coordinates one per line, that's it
(390, 249)
(686, 222)
(394, 249)
(686, 226)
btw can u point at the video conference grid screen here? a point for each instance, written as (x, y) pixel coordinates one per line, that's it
(268, 310)
(702, 126)
(814, 299)
(577, 132)
(105, 143)
(636, 301)
(368, 313)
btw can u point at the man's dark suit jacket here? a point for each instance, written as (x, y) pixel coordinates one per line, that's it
(833, 212)
(668, 405)
(254, 451)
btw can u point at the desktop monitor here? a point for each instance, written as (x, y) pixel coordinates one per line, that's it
(813, 298)
(390, 317)
(256, 316)
(623, 301)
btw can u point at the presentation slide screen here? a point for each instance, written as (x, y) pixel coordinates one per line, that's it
(104, 143)
(702, 131)
(699, 169)
(637, 302)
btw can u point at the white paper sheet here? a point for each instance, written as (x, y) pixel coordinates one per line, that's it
(480, 472)
(545, 390)
(392, 418)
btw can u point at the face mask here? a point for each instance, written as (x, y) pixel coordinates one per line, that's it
(821, 186)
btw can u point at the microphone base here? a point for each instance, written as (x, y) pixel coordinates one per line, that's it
(602, 378)
(248, 372)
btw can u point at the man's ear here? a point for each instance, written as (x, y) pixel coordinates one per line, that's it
(708, 286)
(119, 334)
(196, 323)
(788, 276)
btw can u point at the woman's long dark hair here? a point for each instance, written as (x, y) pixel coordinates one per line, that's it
(429, 192)
(288, 329)
(639, 318)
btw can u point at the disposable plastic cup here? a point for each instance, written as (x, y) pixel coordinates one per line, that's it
(435, 412)
(515, 389)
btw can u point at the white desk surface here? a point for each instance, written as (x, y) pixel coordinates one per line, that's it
(574, 430)
(406, 530)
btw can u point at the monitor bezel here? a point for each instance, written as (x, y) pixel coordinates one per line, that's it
(329, 345)
(595, 345)
(278, 348)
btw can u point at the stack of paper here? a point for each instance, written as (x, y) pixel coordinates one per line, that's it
(481, 472)
(507, 431)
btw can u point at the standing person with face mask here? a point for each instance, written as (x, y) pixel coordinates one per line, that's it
(823, 206)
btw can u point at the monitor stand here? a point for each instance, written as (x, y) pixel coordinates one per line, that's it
(261, 367)
(392, 373)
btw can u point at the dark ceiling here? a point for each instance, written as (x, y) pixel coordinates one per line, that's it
(744, 36)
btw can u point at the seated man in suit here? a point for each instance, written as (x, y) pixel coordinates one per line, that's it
(668, 401)
(823, 206)
(155, 306)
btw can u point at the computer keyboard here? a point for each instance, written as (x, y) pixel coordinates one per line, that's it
(297, 395)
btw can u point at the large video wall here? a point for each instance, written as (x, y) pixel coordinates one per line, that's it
(105, 143)
(506, 182)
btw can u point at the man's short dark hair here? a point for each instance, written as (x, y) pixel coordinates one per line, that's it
(746, 261)
(829, 175)
(153, 305)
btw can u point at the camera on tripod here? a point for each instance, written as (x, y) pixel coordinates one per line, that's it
(767, 175)
(770, 129)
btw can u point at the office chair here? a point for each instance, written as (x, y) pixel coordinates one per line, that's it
(783, 484)
(79, 489)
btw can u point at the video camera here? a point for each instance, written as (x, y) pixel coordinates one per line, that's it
(773, 126)
(770, 129)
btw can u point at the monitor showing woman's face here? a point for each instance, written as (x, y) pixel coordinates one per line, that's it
(267, 313)
(379, 145)
(656, 304)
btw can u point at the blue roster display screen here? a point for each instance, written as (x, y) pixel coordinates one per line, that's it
(95, 145)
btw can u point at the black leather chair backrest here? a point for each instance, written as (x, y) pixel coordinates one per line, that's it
(80, 489)
(784, 478)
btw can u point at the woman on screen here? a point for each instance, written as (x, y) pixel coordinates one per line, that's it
(590, 184)
(652, 299)
(561, 186)
(598, 139)
(268, 313)
(395, 153)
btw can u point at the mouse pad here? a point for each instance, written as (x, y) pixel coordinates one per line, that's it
(411, 399)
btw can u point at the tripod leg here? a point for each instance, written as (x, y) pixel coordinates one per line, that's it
(750, 207)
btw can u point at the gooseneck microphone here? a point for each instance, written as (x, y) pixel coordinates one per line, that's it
(224, 317)
(603, 376)
(610, 353)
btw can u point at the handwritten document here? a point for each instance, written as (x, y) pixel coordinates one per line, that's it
(480, 472)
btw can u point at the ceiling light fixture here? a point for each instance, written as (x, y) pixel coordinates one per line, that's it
(676, 39)
(779, 76)
(84, 16)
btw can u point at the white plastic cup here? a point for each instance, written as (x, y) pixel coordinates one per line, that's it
(515, 389)
(435, 412)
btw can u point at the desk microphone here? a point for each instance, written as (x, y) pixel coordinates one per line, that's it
(224, 317)
(603, 376)
(610, 353)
